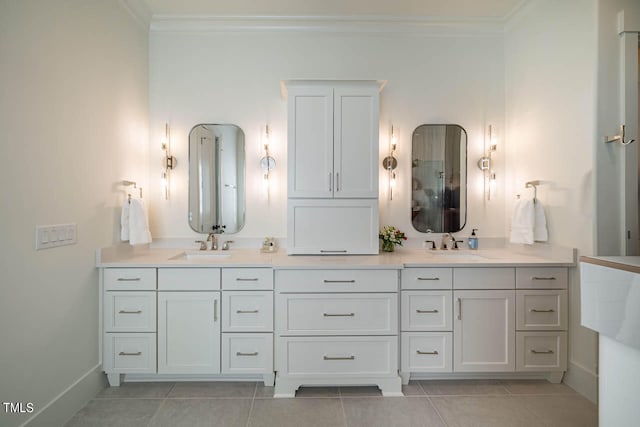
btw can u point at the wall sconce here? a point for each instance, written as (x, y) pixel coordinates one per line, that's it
(267, 163)
(390, 163)
(168, 161)
(486, 162)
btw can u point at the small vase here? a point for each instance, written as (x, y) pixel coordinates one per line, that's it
(388, 246)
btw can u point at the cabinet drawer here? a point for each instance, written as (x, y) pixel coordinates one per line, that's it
(129, 279)
(541, 351)
(350, 356)
(129, 311)
(427, 351)
(343, 314)
(244, 311)
(427, 278)
(540, 310)
(129, 353)
(247, 353)
(337, 280)
(253, 279)
(427, 310)
(332, 226)
(484, 278)
(542, 278)
(188, 279)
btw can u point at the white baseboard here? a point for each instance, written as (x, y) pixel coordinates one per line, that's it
(583, 381)
(68, 402)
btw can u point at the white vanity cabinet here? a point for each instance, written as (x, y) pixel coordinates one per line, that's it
(484, 319)
(336, 327)
(247, 322)
(128, 322)
(189, 310)
(333, 132)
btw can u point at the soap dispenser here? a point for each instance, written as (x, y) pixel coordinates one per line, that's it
(473, 239)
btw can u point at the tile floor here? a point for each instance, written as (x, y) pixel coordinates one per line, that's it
(535, 403)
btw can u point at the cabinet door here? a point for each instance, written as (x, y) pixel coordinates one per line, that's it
(356, 129)
(484, 331)
(188, 332)
(310, 129)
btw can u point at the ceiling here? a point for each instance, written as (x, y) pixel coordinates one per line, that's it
(459, 9)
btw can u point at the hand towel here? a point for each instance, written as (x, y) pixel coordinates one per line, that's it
(540, 223)
(124, 222)
(523, 222)
(138, 225)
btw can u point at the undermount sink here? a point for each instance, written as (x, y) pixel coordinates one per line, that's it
(202, 255)
(464, 256)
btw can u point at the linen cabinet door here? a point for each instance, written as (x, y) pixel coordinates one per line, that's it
(310, 129)
(356, 111)
(189, 332)
(484, 331)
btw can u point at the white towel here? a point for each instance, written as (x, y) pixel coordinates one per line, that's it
(540, 224)
(523, 222)
(138, 225)
(124, 222)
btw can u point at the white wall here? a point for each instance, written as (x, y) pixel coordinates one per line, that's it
(550, 57)
(234, 77)
(74, 120)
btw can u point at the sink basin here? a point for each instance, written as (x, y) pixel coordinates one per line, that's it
(462, 256)
(202, 255)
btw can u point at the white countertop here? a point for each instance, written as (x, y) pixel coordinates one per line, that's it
(127, 256)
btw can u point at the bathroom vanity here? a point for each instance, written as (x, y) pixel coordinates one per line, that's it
(333, 320)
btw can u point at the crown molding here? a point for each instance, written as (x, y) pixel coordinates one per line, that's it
(329, 24)
(139, 10)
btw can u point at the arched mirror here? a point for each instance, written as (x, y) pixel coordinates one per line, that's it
(439, 178)
(216, 178)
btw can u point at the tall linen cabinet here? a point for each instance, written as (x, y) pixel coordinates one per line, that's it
(333, 129)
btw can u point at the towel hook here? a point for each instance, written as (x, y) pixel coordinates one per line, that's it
(619, 137)
(534, 185)
(135, 185)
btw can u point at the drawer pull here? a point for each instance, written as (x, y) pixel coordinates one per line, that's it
(126, 279)
(246, 311)
(248, 279)
(215, 310)
(434, 352)
(542, 352)
(337, 251)
(535, 310)
(543, 278)
(338, 315)
(428, 278)
(339, 358)
(426, 311)
(339, 281)
(255, 353)
(122, 353)
(129, 312)
(459, 309)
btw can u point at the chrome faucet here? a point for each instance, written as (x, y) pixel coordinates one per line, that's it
(214, 241)
(225, 245)
(203, 245)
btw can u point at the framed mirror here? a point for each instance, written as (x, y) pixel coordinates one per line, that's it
(439, 178)
(216, 178)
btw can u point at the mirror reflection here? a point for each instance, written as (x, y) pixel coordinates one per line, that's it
(439, 178)
(216, 178)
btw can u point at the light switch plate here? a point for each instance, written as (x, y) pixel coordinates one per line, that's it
(51, 236)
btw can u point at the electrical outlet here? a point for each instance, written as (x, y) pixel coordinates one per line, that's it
(51, 236)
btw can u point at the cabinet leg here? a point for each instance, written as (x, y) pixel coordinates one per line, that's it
(555, 377)
(114, 380)
(269, 380)
(391, 387)
(405, 377)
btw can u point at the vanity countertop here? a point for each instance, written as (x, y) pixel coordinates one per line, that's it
(126, 256)
(626, 263)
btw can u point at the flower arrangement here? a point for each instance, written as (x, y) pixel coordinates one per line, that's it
(391, 237)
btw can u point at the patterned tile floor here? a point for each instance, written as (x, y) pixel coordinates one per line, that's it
(535, 403)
